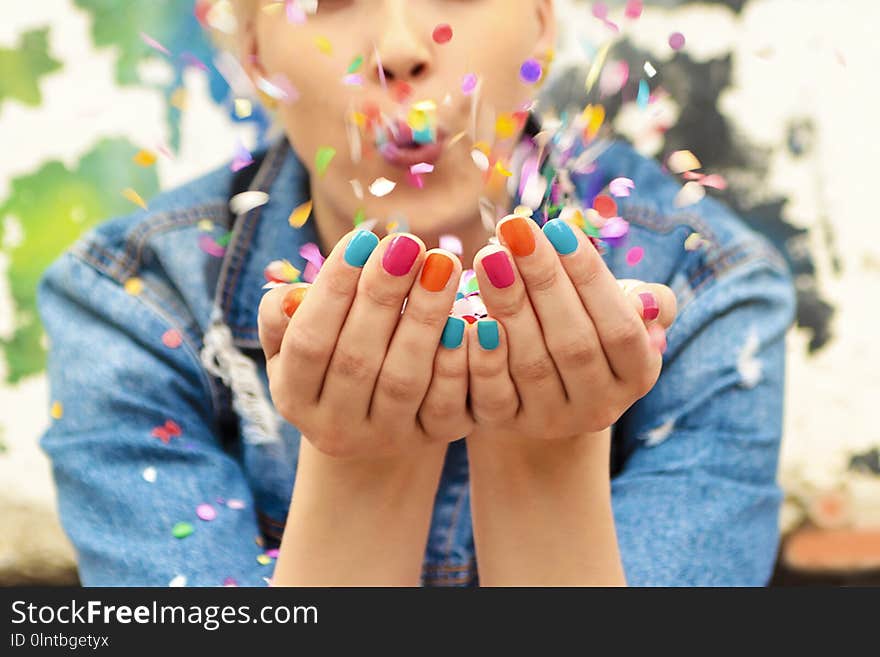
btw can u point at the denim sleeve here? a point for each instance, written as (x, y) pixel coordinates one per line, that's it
(696, 501)
(125, 475)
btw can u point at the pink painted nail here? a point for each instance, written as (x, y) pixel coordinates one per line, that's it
(498, 269)
(400, 255)
(650, 307)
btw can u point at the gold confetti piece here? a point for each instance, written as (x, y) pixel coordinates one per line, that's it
(301, 215)
(179, 99)
(134, 197)
(145, 158)
(523, 211)
(505, 126)
(134, 286)
(594, 117)
(693, 242)
(264, 560)
(243, 108)
(206, 225)
(57, 410)
(324, 45)
(596, 67)
(499, 167)
(391, 226)
(681, 161)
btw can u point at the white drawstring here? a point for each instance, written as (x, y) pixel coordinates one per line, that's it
(222, 359)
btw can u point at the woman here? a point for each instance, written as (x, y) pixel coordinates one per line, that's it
(419, 447)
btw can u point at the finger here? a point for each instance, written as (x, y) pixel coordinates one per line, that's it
(375, 312)
(444, 414)
(568, 331)
(653, 302)
(621, 330)
(493, 395)
(312, 333)
(406, 370)
(276, 308)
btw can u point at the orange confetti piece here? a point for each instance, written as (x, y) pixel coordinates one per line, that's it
(145, 158)
(505, 126)
(300, 215)
(134, 197)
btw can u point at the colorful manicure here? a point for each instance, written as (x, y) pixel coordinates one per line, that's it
(292, 300)
(436, 272)
(453, 333)
(561, 236)
(518, 236)
(487, 333)
(360, 247)
(498, 269)
(400, 255)
(650, 307)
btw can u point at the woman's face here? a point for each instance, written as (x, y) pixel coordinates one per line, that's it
(409, 104)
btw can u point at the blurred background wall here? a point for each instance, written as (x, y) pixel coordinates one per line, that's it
(778, 97)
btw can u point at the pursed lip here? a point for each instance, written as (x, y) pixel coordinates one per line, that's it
(404, 153)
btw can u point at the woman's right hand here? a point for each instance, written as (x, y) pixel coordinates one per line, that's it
(355, 375)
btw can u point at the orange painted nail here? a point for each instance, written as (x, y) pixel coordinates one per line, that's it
(436, 272)
(518, 236)
(292, 300)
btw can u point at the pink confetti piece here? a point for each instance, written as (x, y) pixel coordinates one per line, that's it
(191, 60)
(634, 9)
(600, 10)
(451, 243)
(172, 338)
(421, 167)
(314, 260)
(206, 512)
(634, 256)
(620, 187)
(230, 581)
(353, 80)
(468, 84)
(676, 40)
(294, 12)
(235, 504)
(155, 45)
(415, 180)
(209, 246)
(242, 157)
(613, 78)
(272, 554)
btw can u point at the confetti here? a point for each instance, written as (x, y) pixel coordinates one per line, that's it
(247, 201)
(172, 338)
(182, 530)
(56, 411)
(382, 187)
(451, 243)
(505, 126)
(468, 84)
(442, 33)
(323, 158)
(149, 474)
(166, 431)
(693, 242)
(421, 168)
(272, 554)
(314, 261)
(230, 581)
(692, 192)
(681, 161)
(531, 71)
(634, 9)
(480, 159)
(206, 512)
(144, 158)
(676, 40)
(281, 271)
(356, 63)
(133, 286)
(263, 560)
(644, 94)
(210, 246)
(324, 45)
(605, 206)
(131, 195)
(621, 187)
(650, 71)
(243, 108)
(634, 256)
(235, 504)
(300, 215)
(242, 157)
(178, 581)
(155, 45)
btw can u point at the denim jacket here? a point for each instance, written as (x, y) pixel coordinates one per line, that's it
(171, 463)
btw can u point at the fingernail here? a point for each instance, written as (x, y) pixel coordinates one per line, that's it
(400, 255)
(453, 333)
(292, 300)
(650, 307)
(436, 272)
(498, 269)
(360, 247)
(487, 333)
(561, 236)
(517, 234)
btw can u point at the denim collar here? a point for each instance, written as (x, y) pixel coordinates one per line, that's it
(260, 236)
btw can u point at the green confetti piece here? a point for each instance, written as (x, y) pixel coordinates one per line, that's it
(356, 63)
(182, 530)
(323, 158)
(360, 217)
(223, 240)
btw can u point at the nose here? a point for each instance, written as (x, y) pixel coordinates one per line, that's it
(402, 53)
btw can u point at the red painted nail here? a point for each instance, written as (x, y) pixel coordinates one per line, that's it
(400, 255)
(498, 269)
(650, 307)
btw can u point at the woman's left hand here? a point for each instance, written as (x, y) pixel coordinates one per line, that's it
(570, 347)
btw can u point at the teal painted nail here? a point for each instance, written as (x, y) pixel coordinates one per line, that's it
(360, 247)
(453, 333)
(561, 236)
(487, 332)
